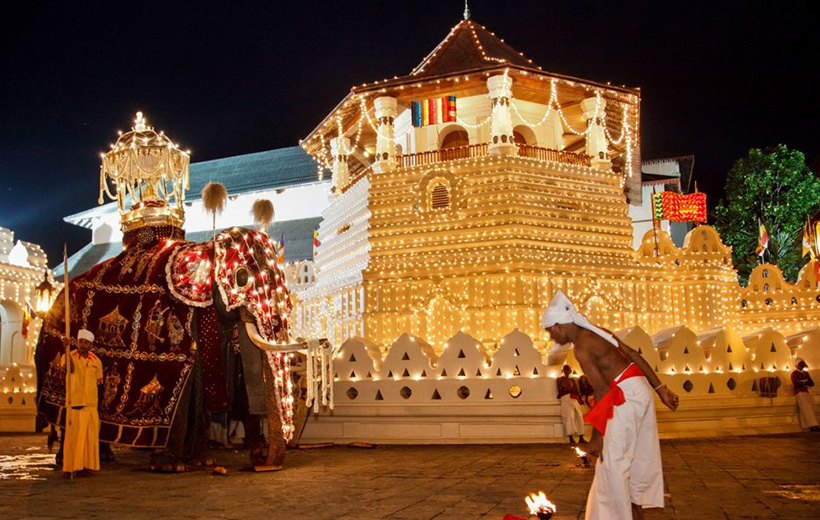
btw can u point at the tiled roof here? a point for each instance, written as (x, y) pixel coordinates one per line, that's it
(469, 46)
(272, 169)
(298, 245)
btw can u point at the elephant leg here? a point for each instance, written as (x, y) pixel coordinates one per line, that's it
(169, 460)
(199, 422)
(276, 440)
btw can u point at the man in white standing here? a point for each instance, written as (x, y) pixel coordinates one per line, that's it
(628, 475)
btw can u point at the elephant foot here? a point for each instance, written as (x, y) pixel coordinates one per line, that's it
(258, 453)
(201, 461)
(167, 463)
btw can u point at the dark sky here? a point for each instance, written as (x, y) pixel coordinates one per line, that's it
(228, 78)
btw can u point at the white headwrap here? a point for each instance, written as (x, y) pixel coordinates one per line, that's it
(561, 310)
(85, 334)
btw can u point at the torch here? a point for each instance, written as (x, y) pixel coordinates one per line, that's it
(540, 506)
(584, 456)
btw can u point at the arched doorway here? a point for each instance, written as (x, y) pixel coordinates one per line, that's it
(455, 138)
(524, 135)
(12, 343)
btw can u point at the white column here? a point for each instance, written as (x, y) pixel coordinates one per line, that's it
(501, 130)
(596, 144)
(385, 143)
(339, 148)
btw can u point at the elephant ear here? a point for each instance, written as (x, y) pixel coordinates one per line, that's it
(189, 274)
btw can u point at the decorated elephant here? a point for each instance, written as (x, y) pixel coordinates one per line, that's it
(175, 322)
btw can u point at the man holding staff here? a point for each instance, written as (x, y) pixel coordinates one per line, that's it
(81, 451)
(628, 476)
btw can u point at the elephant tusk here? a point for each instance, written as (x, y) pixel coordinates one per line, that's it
(263, 344)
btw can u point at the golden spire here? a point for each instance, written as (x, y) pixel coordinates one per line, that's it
(466, 10)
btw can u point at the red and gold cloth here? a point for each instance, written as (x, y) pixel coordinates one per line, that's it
(143, 337)
(676, 207)
(602, 412)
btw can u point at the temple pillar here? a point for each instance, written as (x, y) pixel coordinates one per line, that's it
(501, 129)
(385, 143)
(339, 148)
(596, 143)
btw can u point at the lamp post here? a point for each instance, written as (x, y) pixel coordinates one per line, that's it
(44, 294)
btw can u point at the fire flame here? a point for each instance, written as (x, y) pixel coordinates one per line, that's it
(580, 452)
(538, 503)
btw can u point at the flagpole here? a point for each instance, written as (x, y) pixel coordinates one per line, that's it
(654, 228)
(67, 452)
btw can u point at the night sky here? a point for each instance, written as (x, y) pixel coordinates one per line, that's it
(230, 78)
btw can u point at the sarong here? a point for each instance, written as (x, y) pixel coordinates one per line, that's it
(805, 409)
(631, 469)
(571, 415)
(83, 440)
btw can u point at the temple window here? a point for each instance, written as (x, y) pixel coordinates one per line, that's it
(765, 287)
(439, 197)
(765, 273)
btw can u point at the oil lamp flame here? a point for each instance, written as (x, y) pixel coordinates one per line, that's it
(580, 452)
(540, 506)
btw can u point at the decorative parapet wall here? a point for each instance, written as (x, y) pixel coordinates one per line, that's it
(467, 394)
(769, 300)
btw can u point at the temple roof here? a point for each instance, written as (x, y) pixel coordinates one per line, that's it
(267, 170)
(469, 46)
(298, 245)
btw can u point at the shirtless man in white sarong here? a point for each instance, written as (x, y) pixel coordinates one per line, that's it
(628, 475)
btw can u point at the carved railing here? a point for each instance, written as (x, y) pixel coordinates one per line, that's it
(447, 154)
(548, 154)
(481, 150)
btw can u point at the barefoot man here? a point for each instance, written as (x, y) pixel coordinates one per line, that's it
(628, 476)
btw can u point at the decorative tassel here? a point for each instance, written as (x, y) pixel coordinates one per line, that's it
(214, 196)
(262, 212)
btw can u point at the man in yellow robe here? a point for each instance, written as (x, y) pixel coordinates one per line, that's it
(85, 372)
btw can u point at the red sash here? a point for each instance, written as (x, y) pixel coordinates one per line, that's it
(604, 409)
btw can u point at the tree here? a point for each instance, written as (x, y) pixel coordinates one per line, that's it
(776, 186)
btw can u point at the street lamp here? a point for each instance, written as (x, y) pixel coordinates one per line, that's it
(44, 294)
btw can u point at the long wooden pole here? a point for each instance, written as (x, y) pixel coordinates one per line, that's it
(67, 452)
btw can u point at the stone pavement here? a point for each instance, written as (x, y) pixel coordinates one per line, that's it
(735, 477)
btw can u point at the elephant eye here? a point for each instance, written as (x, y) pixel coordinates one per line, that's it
(242, 277)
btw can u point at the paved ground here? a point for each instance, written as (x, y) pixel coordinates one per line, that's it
(738, 477)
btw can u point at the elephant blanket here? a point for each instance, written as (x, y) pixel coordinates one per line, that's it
(145, 337)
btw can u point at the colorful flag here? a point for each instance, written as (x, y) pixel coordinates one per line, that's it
(806, 240)
(762, 238)
(315, 242)
(28, 316)
(433, 110)
(675, 207)
(281, 258)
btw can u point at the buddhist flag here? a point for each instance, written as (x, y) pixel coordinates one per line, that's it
(806, 249)
(28, 316)
(762, 238)
(315, 242)
(281, 258)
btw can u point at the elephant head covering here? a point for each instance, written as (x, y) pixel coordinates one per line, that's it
(85, 334)
(561, 310)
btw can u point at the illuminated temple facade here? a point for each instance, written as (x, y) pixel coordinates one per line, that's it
(473, 223)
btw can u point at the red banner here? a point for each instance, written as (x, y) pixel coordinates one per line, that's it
(675, 207)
